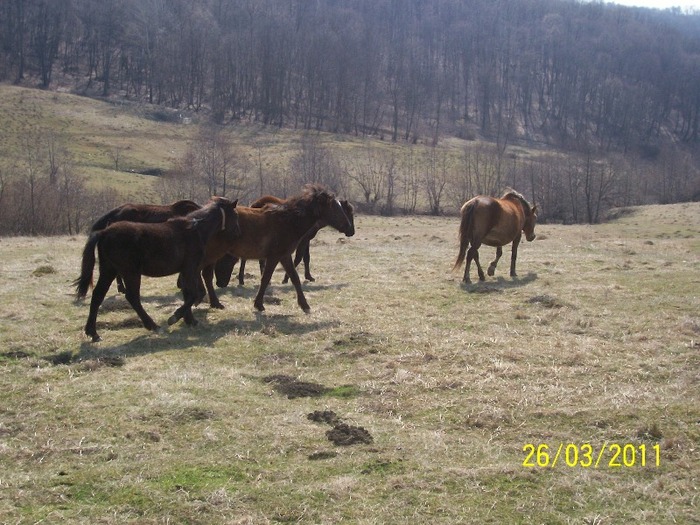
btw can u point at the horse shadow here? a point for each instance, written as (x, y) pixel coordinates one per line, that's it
(206, 333)
(249, 291)
(499, 284)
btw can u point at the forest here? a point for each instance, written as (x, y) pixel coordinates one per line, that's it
(595, 80)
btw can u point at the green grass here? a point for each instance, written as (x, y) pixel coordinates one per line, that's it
(596, 342)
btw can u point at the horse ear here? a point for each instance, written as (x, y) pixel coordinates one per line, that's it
(234, 203)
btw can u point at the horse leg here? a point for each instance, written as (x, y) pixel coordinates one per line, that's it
(473, 254)
(514, 255)
(269, 268)
(208, 276)
(307, 260)
(241, 273)
(132, 282)
(186, 309)
(301, 253)
(98, 295)
(492, 266)
(288, 265)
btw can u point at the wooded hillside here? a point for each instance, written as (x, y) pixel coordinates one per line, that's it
(403, 106)
(558, 71)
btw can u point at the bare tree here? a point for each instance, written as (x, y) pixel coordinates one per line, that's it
(435, 178)
(315, 163)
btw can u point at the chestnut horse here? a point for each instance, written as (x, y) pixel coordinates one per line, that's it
(494, 222)
(143, 213)
(272, 233)
(224, 267)
(133, 249)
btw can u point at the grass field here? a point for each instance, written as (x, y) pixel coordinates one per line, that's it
(449, 389)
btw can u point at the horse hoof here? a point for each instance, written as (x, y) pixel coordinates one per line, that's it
(96, 338)
(491, 271)
(259, 307)
(218, 306)
(173, 319)
(311, 279)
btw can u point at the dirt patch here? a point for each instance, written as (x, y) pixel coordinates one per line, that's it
(344, 435)
(324, 416)
(293, 388)
(341, 434)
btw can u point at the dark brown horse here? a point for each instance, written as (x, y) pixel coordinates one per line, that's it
(143, 213)
(272, 233)
(494, 222)
(132, 249)
(224, 267)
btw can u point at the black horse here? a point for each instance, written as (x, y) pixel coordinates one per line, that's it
(132, 249)
(143, 213)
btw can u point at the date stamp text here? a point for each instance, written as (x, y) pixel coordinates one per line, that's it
(586, 455)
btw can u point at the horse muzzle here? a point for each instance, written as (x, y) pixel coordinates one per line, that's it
(530, 238)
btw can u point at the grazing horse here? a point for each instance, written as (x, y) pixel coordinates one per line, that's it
(132, 249)
(272, 233)
(143, 213)
(494, 222)
(224, 267)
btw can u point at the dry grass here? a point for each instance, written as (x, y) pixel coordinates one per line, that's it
(596, 342)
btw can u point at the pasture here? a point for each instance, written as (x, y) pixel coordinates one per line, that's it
(443, 385)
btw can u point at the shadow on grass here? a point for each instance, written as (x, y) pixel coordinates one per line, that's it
(182, 337)
(206, 333)
(499, 284)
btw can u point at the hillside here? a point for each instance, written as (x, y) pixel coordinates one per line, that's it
(565, 73)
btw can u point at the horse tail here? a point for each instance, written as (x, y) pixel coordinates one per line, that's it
(465, 231)
(85, 280)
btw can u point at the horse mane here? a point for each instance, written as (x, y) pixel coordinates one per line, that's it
(512, 194)
(306, 202)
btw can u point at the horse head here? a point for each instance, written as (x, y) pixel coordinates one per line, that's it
(229, 215)
(349, 211)
(530, 221)
(327, 209)
(529, 213)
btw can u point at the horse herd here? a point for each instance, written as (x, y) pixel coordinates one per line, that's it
(197, 242)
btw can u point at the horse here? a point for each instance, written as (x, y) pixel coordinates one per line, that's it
(133, 249)
(494, 222)
(224, 266)
(143, 213)
(272, 233)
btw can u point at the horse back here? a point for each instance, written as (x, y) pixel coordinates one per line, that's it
(148, 213)
(267, 199)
